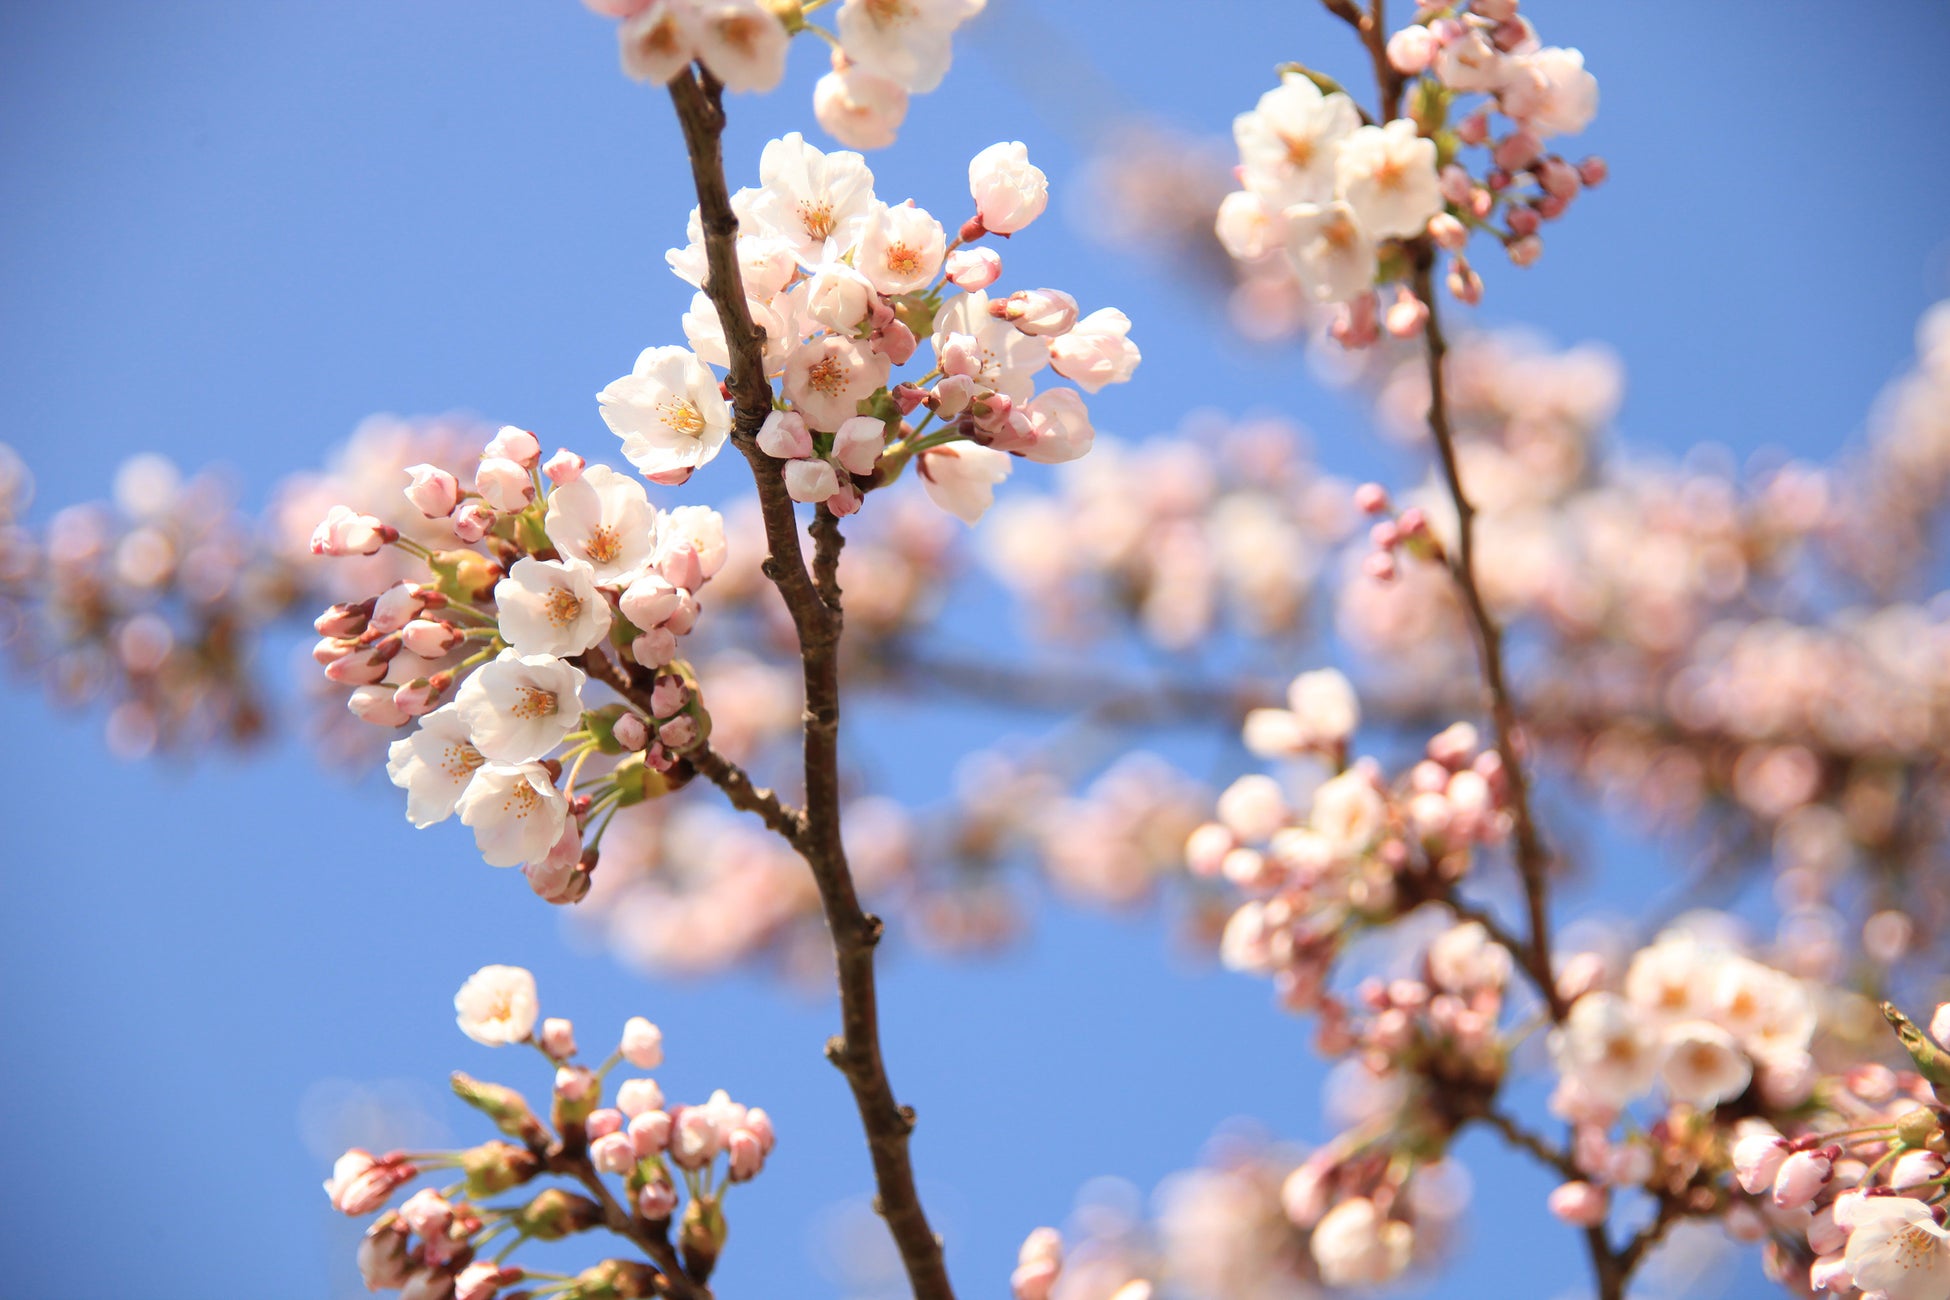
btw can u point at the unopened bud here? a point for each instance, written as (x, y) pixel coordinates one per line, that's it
(506, 1107)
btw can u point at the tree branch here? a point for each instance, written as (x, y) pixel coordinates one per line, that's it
(813, 602)
(1533, 860)
(1372, 28)
(655, 1244)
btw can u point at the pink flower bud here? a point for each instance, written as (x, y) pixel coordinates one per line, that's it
(810, 480)
(1475, 128)
(1037, 311)
(575, 1083)
(649, 600)
(398, 605)
(654, 648)
(744, 1154)
(1558, 178)
(1801, 1177)
(682, 567)
(1579, 1204)
(433, 491)
(385, 1262)
(558, 1038)
(1464, 283)
(973, 268)
(427, 1213)
(1206, 849)
(601, 1123)
(694, 1137)
(1448, 232)
(631, 733)
(760, 1125)
(1380, 566)
(639, 1095)
(684, 617)
(1406, 315)
(679, 733)
(517, 445)
(481, 1279)
(613, 1154)
(1517, 151)
(1523, 221)
(345, 531)
(429, 638)
(642, 1045)
(1410, 49)
(961, 354)
(895, 341)
(667, 699)
(784, 436)
(472, 520)
(418, 697)
(1525, 251)
(1914, 1168)
(563, 467)
(1757, 1159)
(504, 484)
(1371, 499)
(1455, 184)
(375, 705)
(650, 1133)
(342, 621)
(1594, 171)
(657, 1199)
(360, 667)
(1552, 206)
(1009, 191)
(361, 1182)
(1355, 324)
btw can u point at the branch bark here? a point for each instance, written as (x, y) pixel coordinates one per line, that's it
(813, 598)
(1533, 859)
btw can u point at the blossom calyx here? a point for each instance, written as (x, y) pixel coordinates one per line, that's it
(703, 1234)
(466, 576)
(1932, 1062)
(507, 1108)
(555, 1214)
(493, 1167)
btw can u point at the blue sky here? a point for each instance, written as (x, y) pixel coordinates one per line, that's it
(230, 231)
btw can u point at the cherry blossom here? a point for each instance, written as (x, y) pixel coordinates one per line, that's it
(434, 765)
(518, 707)
(668, 412)
(605, 520)
(515, 811)
(550, 607)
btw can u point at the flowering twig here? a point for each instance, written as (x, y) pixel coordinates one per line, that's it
(1373, 30)
(655, 1244)
(814, 607)
(1533, 861)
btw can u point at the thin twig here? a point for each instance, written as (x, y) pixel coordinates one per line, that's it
(1523, 1139)
(1533, 860)
(813, 602)
(654, 1244)
(1372, 28)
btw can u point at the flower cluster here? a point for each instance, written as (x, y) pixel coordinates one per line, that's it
(1333, 201)
(435, 1245)
(881, 52)
(555, 566)
(844, 286)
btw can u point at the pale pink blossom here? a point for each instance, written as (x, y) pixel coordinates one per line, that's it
(1096, 351)
(827, 378)
(636, 1096)
(344, 531)
(1801, 1177)
(741, 41)
(669, 413)
(1550, 92)
(1250, 226)
(810, 480)
(961, 478)
(1354, 1244)
(361, 1183)
(784, 436)
(1579, 1204)
(694, 1137)
(434, 765)
(838, 297)
(973, 268)
(1411, 49)
(813, 200)
(516, 813)
(504, 484)
(1060, 424)
(1757, 1159)
(901, 249)
(1289, 142)
(858, 442)
(1386, 176)
(642, 1044)
(657, 41)
(1038, 311)
(605, 520)
(994, 354)
(497, 1005)
(860, 109)
(1009, 190)
(432, 490)
(1704, 1065)
(550, 607)
(518, 707)
(515, 444)
(908, 43)
(1896, 1247)
(1606, 1046)
(563, 467)
(614, 1154)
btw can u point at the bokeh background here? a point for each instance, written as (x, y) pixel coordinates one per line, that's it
(229, 231)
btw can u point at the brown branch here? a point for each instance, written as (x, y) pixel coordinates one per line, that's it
(1524, 1140)
(1533, 860)
(1372, 28)
(812, 597)
(715, 767)
(653, 1241)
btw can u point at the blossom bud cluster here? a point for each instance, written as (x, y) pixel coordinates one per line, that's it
(434, 1244)
(845, 287)
(1333, 202)
(484, 652)
(881, 53)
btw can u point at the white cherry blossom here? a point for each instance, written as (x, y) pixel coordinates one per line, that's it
(816, 202)
(1097, 350)
(1005, 359)
(518, 707)
(497, 1005)
(961, 478)
(658, 42)
(906, 41)
(1354, 1244)
(1606, 1045)
(434, 765)
(551, 607)
(1289, 141)
(1703, 1065)
(1009, 190)
(1895, 1247)
(669, 413)
(860, 109)
(1386, 174)
(741, 42)
(1332, 252)
(605, 520)
(901, 249)
(826, 379)
(515, 811)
